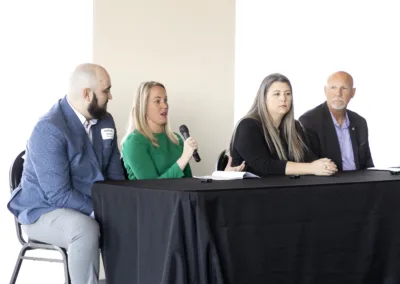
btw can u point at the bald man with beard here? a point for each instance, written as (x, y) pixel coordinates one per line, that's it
(334, 131)
(72, 146)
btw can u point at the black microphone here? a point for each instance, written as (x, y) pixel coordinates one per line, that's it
(185, 133)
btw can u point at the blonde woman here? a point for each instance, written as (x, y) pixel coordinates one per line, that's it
(150, 149)
(270, 140)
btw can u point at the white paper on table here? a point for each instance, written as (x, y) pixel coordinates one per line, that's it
(228, 175)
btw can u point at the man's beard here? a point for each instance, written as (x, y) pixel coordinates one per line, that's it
(95, 110)
(338, 104)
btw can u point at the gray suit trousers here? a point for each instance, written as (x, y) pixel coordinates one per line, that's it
(78, 234)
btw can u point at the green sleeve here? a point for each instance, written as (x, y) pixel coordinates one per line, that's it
(136, 155)
(188, 171)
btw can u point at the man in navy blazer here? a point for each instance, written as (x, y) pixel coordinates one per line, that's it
(334, 131)
(70, 148)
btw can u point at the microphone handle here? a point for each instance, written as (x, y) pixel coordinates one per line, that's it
(196, 156)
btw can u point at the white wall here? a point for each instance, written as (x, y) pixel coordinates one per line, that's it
(187, 45)
(41, 42)
(307, 41)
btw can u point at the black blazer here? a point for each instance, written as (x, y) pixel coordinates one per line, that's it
(321, 133)
(249, 145)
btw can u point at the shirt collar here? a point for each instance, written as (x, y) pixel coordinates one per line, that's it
(82, 119)
(346, 122)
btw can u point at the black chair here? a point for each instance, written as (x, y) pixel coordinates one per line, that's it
(14, 179)
(222, 161)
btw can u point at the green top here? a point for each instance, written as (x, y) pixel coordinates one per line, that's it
(143, 160)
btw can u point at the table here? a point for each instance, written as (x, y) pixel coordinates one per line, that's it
(311, 230)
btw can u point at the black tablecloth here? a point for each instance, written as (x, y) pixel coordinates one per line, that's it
(340, 229)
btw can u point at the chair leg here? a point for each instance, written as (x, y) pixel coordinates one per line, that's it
(65, 263)
(66, 271)
(18, 264)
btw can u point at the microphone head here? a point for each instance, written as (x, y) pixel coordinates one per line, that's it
(183, 129)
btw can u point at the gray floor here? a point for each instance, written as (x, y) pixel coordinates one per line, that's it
(102, 281)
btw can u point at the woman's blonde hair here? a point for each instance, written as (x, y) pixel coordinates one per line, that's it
(258, 111)
(137, 117)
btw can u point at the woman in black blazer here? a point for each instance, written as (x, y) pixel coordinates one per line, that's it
(270, 140)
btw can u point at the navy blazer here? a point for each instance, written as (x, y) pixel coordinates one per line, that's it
(61, 164)
(324, 142)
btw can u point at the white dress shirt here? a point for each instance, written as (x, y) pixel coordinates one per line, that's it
(87, 124)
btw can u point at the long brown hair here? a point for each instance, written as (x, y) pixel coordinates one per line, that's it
(258, 111)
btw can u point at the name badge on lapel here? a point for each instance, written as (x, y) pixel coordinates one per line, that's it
(107, 133)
